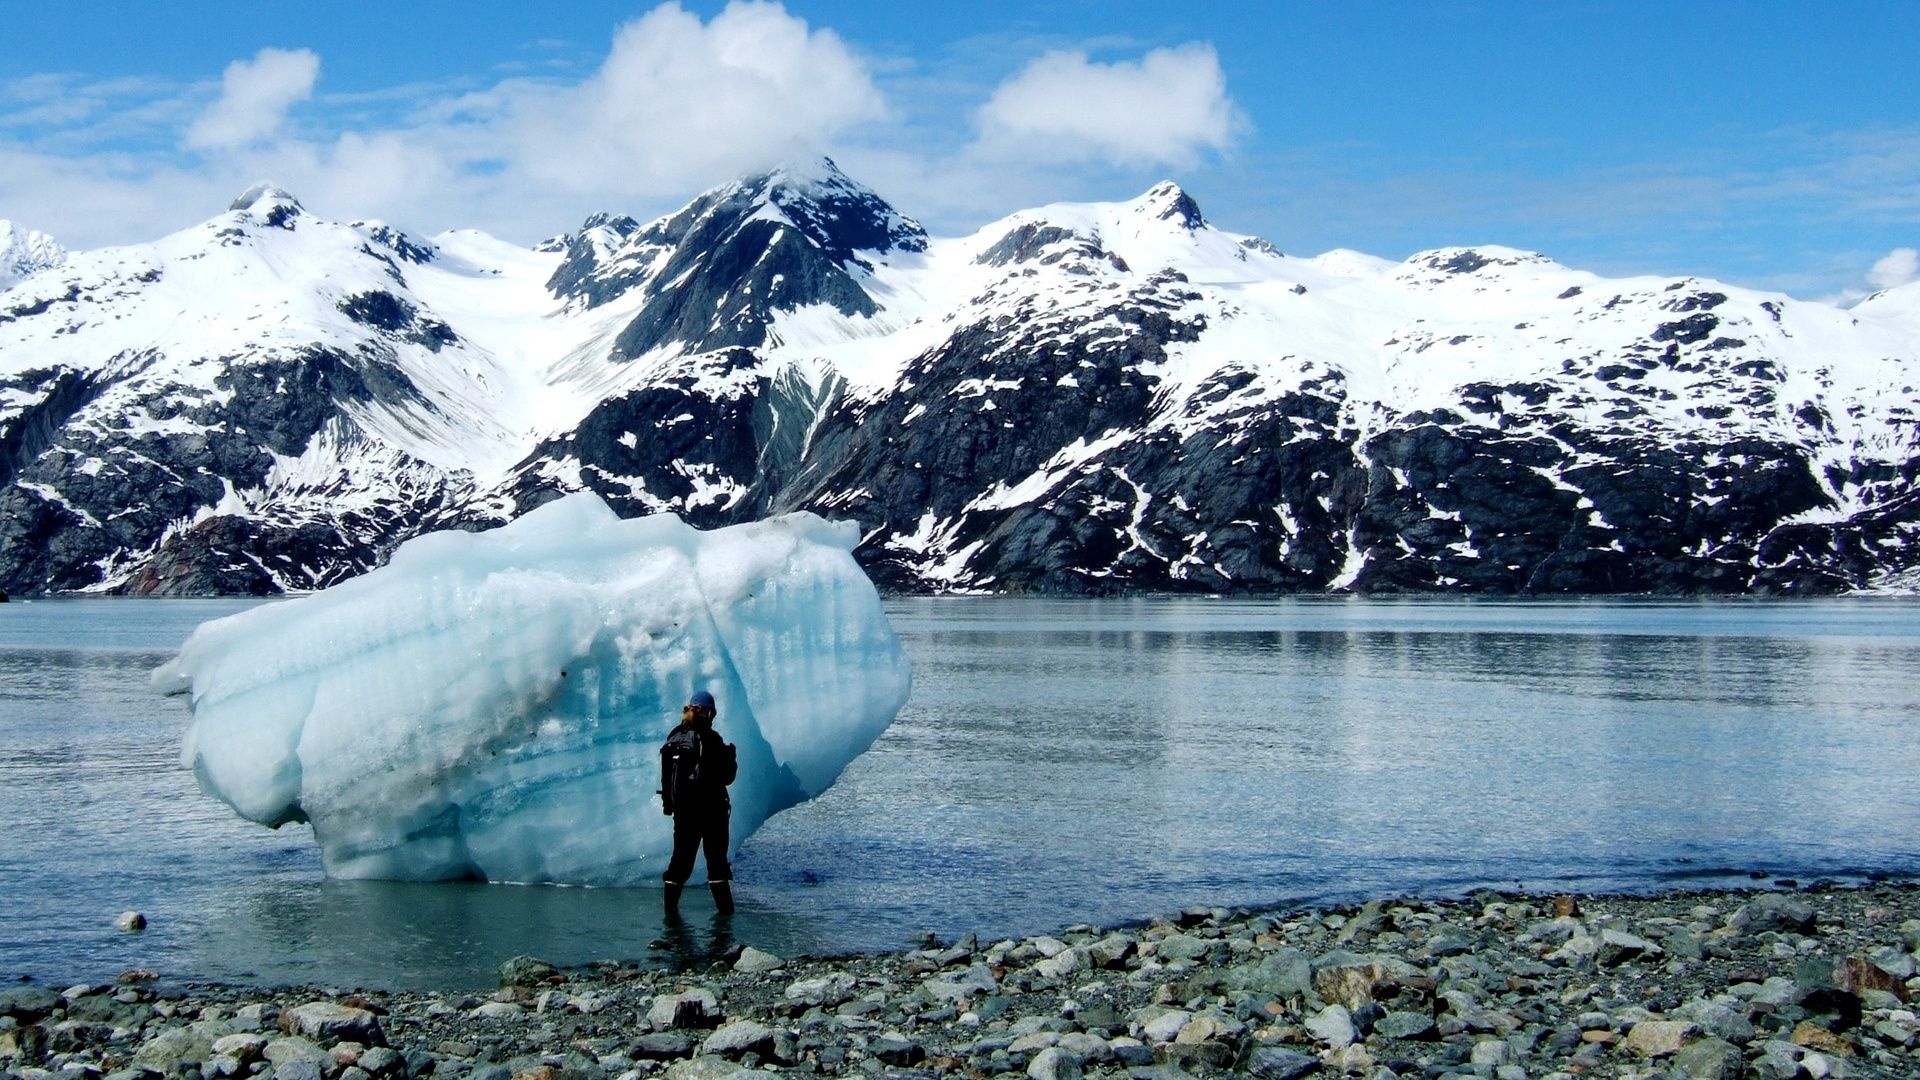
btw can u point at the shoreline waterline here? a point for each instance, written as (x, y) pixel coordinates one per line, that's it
(1817, 980)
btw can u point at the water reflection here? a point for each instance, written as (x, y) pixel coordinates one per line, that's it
(1061, 761)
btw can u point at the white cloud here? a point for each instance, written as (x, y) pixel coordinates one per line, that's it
(1900, 266)
(254, 98)
(1165, 108)
(680, 102)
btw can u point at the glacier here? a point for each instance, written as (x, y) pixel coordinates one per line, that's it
(491, 705)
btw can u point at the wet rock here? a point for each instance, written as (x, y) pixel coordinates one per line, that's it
(130, 922)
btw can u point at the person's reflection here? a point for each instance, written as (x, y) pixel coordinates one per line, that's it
(683, 947)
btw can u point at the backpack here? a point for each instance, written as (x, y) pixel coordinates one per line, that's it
(680, 768)
(686, 775)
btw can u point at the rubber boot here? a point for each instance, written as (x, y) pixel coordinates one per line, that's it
(673, 899)
(722, 896)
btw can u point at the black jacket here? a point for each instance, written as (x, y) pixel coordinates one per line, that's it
(696, 765)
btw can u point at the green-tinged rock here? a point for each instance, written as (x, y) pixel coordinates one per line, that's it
(527, 971)
(173, 1049)
(1710, 1059)
(28, 1004)
(709, 1068)
(1405, 1025)
(1280, 1063)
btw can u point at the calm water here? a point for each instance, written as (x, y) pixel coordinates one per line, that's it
(1060, 762)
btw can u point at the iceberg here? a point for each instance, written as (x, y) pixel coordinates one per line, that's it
(491, 705)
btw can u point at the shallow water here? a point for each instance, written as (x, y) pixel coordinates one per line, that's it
(1061, 761)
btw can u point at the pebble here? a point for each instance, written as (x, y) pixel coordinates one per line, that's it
(1815, 984)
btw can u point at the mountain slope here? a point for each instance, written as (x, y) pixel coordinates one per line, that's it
(1077, 398)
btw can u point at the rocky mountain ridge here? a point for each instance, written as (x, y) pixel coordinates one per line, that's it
(1080, 398)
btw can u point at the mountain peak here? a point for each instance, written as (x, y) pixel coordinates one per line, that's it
(835, 211)
(25, 251)
(1168, 201)
(271, 204)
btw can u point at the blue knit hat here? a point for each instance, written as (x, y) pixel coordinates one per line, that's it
(701, 699)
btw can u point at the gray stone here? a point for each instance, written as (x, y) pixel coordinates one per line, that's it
(244, 1046)
(294, 1048)
(710, 1068)
(1287, 974)
(172, 1049)
(960, 986)
(1110, 951)
(826, 990)
(1333, 1025)
(663, 1046)
(1719, 1021)
(381, 1062)
(1773, 911)
(1280, 1063)
(1658, 1038)
(324, 1022)
(527, 971)
(130, 922)
(754, 962)
(1182, 947)
(893, 1048)
(1710, 1059)
(696, 1008)
(1492, 1053)
(1405, 1025)
(1129, 1051)
(1054, 1063)
(28, 1004)
(1617, 947)
(740, 1037)
(1090, 1049)
(298, 1069)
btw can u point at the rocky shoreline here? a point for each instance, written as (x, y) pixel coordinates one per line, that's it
(1811, 983)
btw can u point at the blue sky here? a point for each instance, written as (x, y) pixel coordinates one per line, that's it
(1768, 144)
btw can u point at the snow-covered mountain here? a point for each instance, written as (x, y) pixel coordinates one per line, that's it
(24, 251)
(1077, 398)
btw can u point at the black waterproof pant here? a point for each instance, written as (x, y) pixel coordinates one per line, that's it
(694, 829)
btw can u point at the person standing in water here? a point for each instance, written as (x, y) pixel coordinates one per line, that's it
(696, 765)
